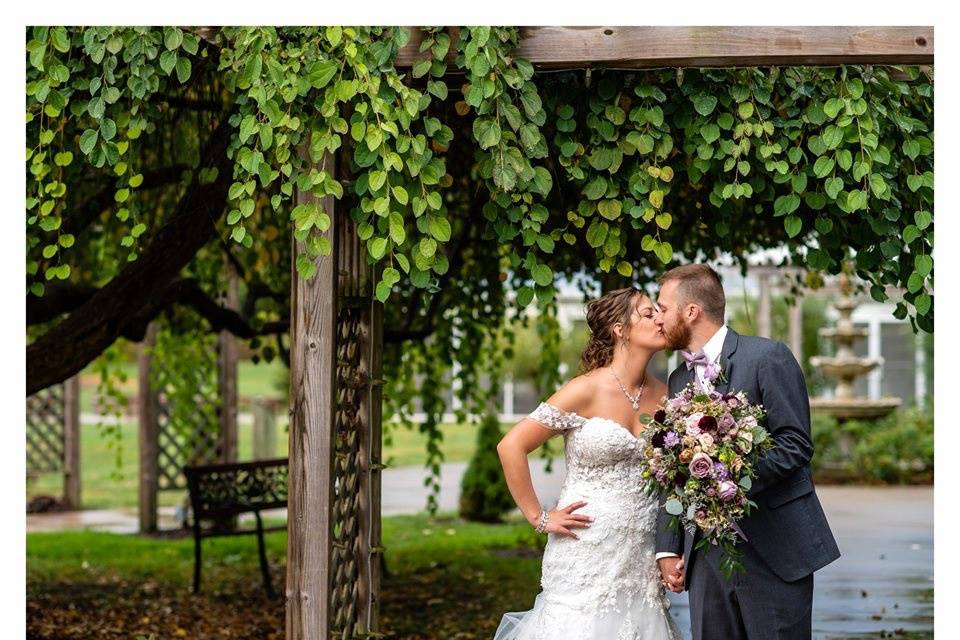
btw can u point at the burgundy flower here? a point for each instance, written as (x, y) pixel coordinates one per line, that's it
(679, 480)
(660, 416)
(658, 438)
(707, 424)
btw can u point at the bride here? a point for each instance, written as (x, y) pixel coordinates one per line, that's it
(599, 577)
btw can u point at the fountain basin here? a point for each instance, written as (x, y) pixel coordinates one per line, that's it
(855, 408)
(848, 368)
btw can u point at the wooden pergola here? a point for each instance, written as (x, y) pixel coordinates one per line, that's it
(334, 547)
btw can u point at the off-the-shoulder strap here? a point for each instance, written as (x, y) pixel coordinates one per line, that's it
(554, 418)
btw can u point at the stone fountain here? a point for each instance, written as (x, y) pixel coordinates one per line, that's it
(846, 366)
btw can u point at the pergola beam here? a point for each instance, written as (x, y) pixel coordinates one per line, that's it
(646, 47)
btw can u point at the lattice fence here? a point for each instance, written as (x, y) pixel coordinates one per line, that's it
(53, 436)
(45, 421)
(181, 412)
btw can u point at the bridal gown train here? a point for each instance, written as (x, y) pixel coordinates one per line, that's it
(606, 585)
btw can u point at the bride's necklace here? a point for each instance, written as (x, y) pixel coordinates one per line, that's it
(634, 399)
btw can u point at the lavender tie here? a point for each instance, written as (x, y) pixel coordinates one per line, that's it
(693, 359)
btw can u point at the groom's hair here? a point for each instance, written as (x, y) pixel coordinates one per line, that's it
(701, 284)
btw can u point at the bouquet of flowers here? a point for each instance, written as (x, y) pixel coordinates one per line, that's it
(701, 454)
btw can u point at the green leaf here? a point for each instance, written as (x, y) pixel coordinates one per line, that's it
(439, 228)
(609, 209)
(377, 179)
(321, 73)
(823, 166)
(705, 104)
(238, 233)
(710, 132)
(168, 60)
(833, 186)
(88, 140)
(542, 181)
(786, 204)
(172, 37)
(597, 233)
(486, 131)
(664, 252)
(183, 69)
(596, 188)
(914, 182)
(542, 274)
(377, 247)
(793, 225)
(745, 109)
(915, 282)
(524, 296)
(923, 219)
(397, 232)
(923, 264)
(922, 303)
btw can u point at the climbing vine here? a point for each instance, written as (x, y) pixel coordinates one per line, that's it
(475, 181)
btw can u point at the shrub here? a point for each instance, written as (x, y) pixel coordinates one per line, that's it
(484, 496)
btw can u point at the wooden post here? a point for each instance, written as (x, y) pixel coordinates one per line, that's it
(264, 429)
(71, 442)
(227, 375)
(148, 409)
(313, 311)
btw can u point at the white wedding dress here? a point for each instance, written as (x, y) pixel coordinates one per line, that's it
(606, 585)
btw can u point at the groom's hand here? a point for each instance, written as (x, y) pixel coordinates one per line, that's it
(671, 573)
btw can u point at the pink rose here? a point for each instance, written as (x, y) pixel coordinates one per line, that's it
(727, 490)
(701, 465)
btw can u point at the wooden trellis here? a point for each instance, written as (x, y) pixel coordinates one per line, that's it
(336, 330)
(203, 434)
(53, 436)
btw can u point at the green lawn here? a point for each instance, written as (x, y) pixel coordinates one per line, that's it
(108, 461)
(443, 575)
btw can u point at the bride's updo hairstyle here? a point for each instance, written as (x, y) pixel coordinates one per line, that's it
(602, 313)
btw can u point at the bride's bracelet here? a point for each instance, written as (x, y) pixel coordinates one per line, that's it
(542, 522)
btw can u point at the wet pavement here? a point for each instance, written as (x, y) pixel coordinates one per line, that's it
(882, 586)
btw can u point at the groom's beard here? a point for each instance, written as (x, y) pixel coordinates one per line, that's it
(678, 336)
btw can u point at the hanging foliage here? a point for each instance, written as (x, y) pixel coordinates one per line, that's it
(475, 183)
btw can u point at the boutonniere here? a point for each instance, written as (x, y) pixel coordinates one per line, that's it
(717, 371)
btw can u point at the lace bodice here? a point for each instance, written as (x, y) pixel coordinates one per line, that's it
(614, 559)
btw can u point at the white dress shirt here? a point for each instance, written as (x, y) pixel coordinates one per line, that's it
(712, 350)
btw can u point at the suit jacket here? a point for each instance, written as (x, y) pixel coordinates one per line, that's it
(788, 529)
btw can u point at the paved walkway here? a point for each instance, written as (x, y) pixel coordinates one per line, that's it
(883, 581)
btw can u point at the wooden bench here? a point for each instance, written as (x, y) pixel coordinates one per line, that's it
(222, 491)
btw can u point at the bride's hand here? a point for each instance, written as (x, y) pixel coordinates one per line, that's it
(562, 520)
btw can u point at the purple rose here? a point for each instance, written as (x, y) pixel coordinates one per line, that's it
(727, 490)
(720, 471)
(700, 514)
(732, 401)
(711, 492)
(661, 475)
(727, 422)
(701, 465)
(671, 439)
(707, 424)
(714, 396)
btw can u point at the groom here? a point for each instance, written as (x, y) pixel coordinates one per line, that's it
(788, 537)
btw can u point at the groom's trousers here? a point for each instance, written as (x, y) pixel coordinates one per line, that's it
(755, 604)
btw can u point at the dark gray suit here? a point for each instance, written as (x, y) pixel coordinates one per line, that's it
(788, 535)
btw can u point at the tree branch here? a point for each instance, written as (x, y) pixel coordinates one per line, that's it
(98, 322)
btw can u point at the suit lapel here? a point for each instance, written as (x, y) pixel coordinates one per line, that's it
(730, 344)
